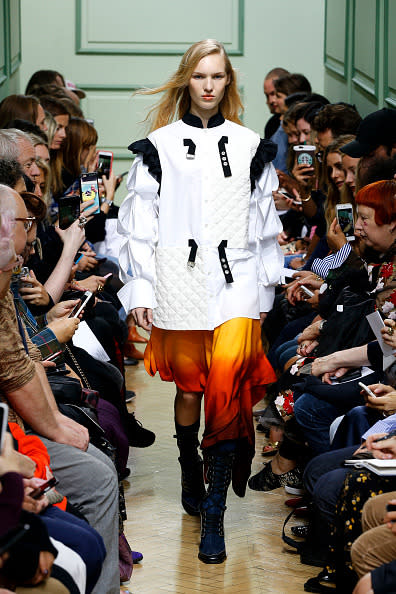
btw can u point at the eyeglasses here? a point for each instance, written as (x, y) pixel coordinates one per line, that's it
(27, 222)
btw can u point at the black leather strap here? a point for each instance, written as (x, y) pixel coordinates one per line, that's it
(224, 262)
(193, 253)
(224, 157)
(191, 148)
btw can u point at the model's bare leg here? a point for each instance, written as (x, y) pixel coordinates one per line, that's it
(187, 407)
(187, 416)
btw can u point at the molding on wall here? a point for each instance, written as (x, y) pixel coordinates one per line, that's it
(359, 78)
(11, 63)
(389, 93)
(331, 63)
(83, 45)
(15, 60)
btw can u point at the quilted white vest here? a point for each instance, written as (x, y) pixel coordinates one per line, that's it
(206, 189)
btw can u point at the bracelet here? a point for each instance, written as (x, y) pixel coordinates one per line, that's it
(306, 199)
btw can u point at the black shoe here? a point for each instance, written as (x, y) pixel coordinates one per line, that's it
(129, 395)
(124, 474)
(130, 361)
(138, 436)
(193, 486)
(323, 582)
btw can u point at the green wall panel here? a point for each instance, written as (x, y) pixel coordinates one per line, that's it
(3, 42)
(390, 53)
(369, 48)
(10, 46)
(336, 31)
(365, 45)
(129, 27)
(15, 38)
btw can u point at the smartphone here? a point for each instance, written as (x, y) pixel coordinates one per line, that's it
(44, 488)
(286, 194)
(69, 210)
(348, 376)
(123, 174)
(53, 356)
(366, 389)
(3, 423)
(344, 214)
(108, 275)
(307, 291)
(89, 189)
(86, 297)
(105, 162)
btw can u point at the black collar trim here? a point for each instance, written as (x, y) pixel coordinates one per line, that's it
(193, 120)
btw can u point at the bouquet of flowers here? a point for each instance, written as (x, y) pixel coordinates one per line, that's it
(285, 404)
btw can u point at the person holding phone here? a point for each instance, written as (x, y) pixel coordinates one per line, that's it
(200, 237)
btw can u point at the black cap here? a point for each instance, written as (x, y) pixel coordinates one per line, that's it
(376, 129)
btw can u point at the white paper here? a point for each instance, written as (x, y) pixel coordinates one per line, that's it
(86, 339)
(376, 323)
(287, 273)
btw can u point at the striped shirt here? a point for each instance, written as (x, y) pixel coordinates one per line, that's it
(322, 266)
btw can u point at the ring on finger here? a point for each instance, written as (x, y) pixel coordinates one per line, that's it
(100, 288)
(390, 331)
(82, 221)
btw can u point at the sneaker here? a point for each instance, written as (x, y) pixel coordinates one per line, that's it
(138, 436)
(267, 480)
(129, 395)
(295, 488)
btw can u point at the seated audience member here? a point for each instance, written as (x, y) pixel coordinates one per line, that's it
(375, 138)
(270, 94)
(44, 77)
(333, 120)
(340, 505)
(86, 476)
(61, 114)
(16, 145)
(22, 107)
(284, 86)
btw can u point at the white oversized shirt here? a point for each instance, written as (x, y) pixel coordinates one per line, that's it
(196, 201)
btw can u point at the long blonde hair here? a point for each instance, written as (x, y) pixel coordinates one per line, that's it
(176, 100)
(335, 196)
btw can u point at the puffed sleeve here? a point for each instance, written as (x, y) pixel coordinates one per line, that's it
(264, 227)
(138, 224)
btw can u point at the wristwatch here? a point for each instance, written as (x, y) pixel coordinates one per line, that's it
(109, 202)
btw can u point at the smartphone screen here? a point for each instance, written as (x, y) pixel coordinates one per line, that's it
(3, 423)
(89, 189)
(78, 309)
(69, 210)
(345, 220)
(104, 164)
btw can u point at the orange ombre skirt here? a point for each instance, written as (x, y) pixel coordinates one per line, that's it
(229, 367)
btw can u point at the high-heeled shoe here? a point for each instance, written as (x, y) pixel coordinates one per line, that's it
(132, 352)
(134, 336)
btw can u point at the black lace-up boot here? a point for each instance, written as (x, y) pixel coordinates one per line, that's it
(220, 462)
(192, 481)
